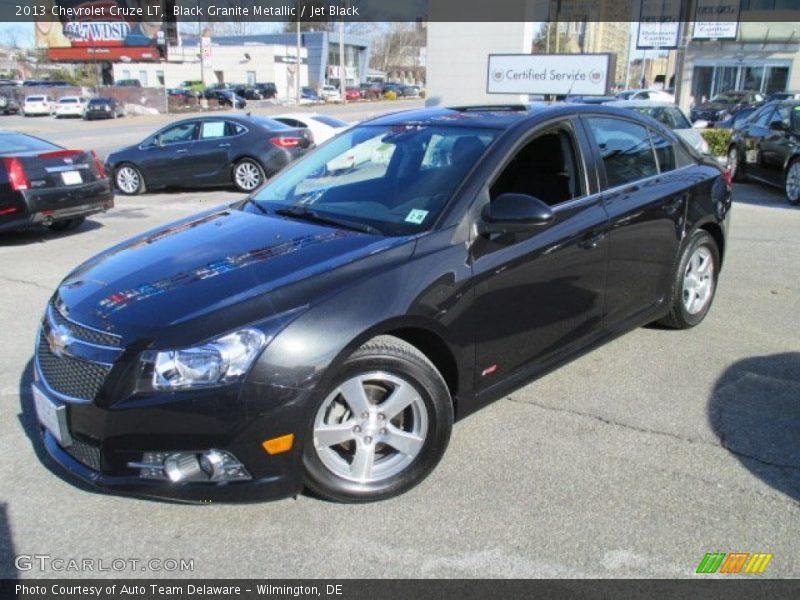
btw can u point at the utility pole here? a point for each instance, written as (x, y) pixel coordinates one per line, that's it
(341, 60)
(683, 42)
(299, 63)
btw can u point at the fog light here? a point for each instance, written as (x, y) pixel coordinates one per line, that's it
(180, 467)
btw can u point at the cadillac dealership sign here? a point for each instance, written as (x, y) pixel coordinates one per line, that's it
(716, 19)
(559, 74)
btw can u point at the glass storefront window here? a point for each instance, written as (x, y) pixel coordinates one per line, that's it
(776, 79)
(701, 83)
(752, 78)
(724, 79)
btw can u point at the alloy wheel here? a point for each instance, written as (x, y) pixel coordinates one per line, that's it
(698, 280)
(793, 183)
(370, 427)
(128, 180)
(247, 175)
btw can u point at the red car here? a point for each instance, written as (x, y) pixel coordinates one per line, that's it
(352, 94)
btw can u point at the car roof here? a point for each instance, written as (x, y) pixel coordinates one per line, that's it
(642, 104)
(493, 116)
(293, 116)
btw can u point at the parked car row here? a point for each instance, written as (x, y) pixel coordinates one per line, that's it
(100, 107)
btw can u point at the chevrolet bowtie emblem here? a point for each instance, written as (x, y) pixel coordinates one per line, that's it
(59, 339)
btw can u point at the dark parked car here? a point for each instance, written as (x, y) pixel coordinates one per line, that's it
(45, 184)
(767, 148)
(248, 92)
(783, 96)
(309, 95)
(226, 98)
(722, 106)
(267, 90)
(103, 108)
(327, 330)
(128, 82)
(239, 150)
(8, 102)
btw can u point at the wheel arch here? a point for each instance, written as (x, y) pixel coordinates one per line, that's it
(716, 232)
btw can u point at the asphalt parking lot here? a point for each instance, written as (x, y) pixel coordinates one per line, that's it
(632, 461)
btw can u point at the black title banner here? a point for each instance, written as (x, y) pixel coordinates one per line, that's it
(391, 589)
(385, 10)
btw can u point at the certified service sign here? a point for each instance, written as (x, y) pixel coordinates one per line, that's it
(559, 74)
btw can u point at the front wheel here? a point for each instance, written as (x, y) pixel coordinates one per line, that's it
(248, 175)
(792, 183)
(129, 180)
(695, 282)
(381, 428)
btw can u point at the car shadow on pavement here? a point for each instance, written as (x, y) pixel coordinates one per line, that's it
(755, 412)
(23, 237)
(8, 568)
(756, 194)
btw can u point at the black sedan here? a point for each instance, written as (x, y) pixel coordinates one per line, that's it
(767, 148)
(45, 184)
(209, 151)
(725, 105)
(329, 329)
(103, 108)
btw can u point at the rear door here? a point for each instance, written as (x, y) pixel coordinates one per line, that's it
(779, 144)
(646, 205)
(211, 152)
(753, 134)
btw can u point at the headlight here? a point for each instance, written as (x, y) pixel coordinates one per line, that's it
(224, 360)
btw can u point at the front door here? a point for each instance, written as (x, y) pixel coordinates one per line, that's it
(538, 292)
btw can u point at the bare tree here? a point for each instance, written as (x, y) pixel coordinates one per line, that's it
(397, 46)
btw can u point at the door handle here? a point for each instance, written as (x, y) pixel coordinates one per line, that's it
(591, 240)
(224, 145)
(184, 151)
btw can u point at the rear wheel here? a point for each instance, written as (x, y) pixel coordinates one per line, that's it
(695, 282)
(248, 175)
(67, 224)
(381, 428)
(129, 180)
(735, 164)
(792, 183)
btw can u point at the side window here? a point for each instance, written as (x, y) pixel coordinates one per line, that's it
(232, 129)
(546, 167)
(212, 130)
(290, 122)
(665, 152)
(625, 149)
(179, 133)
(781, 114)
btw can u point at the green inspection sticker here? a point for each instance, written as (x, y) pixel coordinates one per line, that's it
(416, 216)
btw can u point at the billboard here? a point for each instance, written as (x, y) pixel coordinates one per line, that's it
(659, 24)
(559, 74)
(100, 29)
(716, 20)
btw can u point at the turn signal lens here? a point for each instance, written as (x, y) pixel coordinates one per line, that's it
(101, 169)
(16, 174)
(280, 444)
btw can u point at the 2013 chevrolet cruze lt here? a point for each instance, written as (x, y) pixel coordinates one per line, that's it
(326, 331)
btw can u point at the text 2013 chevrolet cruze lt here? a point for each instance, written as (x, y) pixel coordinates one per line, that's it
(326, 331)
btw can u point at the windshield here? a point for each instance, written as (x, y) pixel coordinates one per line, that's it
(728, 98)
(11, 143)
(394, 179)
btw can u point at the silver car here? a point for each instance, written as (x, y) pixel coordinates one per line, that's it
(670, 115)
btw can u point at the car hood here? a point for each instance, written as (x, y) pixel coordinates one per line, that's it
(715, 105)
(195, 270)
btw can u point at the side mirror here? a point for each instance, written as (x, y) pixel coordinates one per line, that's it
(700, 124)
(514, 213)
(778, 126)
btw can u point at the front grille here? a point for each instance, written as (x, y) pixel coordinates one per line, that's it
(70, 376)
(85, 453)
(83, 333)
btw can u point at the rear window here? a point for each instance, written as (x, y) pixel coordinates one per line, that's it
(269, 123)
(13, 143)
(329, 121)
(35, 98)
(100, 101)
(68, 101)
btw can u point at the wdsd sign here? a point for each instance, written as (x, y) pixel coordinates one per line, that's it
(559, 74)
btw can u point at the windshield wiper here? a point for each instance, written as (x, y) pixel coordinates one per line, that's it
(313, 216)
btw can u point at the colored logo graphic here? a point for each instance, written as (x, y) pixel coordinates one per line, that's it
(733, 563)
(595, 76)
(497, 75)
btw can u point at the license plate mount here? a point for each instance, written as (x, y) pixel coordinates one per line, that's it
(52, 415)
(71, 178)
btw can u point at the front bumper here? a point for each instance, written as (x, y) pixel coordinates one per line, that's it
(105, 436)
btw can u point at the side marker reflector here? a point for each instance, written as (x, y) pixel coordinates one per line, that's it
(279, 445)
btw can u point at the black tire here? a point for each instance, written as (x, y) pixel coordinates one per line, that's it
(255, 168)
(127, 190)
(392, 357)
(66, 224)
(680, 317)
(792, 198)
(737, 173)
